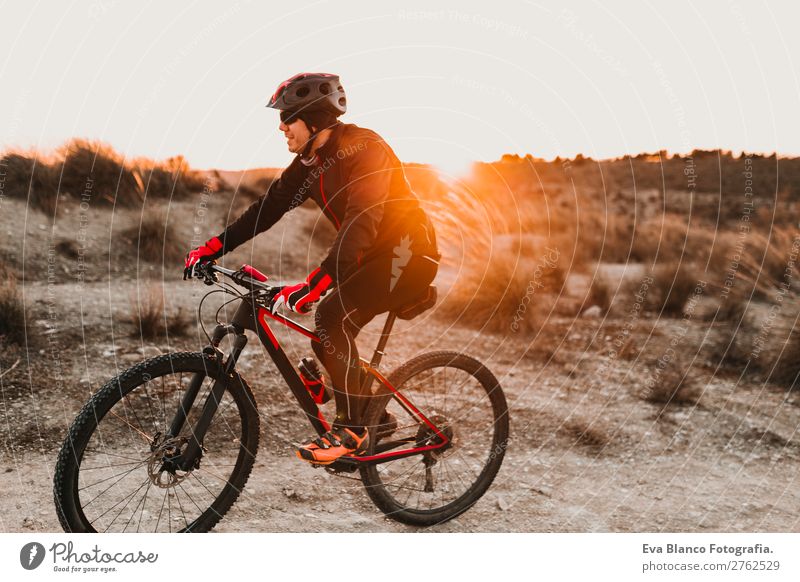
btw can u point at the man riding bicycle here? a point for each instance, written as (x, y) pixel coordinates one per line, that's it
(384, 255)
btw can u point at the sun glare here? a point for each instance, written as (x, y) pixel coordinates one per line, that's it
(453, 168)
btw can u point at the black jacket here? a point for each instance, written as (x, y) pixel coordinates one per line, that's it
(359, 184)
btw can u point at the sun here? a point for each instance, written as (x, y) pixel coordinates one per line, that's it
(453, 168)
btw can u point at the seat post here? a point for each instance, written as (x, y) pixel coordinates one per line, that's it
(387, 329)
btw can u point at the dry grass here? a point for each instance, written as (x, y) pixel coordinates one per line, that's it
(150, 319)
(30, 177)
(782, 356)
(756, 263)
(669, 238)
(672, 383)
(726, 343)
(172, 178)
(732, 308)
(67, 248)
(153, 239)
(511, 292)
(673, 284)
(599, 293)
(584, 433)
(95, 172)
(13, 313)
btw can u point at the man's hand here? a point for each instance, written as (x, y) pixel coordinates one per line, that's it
(301, 296)
(211, 250)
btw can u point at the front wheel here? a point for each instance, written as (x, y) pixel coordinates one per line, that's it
(113, 472)
(464, 400)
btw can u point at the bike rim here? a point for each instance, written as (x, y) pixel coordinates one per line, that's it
(457, 403)
(119, 484)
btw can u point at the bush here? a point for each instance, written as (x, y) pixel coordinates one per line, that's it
(669, 239)
(96, 170)
(672, 383)
(172, 178)
(67, 248)
(725, 343)
(12, 310)
(673, 284)
(511, 292)
(153, 240)
(32, 179)
(82, 168)
(149, 318)
(599, 293)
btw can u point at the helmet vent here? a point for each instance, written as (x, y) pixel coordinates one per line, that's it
(324, 88)
(303, 91)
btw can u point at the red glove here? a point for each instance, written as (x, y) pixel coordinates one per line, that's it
(299, 297)
(211, 250)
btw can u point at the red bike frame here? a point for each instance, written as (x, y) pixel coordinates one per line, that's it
(252, 315)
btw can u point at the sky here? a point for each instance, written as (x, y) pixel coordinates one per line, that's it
(443, 83)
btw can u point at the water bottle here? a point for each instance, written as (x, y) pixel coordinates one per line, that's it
(314, 380)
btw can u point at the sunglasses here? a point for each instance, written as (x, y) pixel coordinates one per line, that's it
(288, 117)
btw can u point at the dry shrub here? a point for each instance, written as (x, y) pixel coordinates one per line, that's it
(725, 345)
(755, 263)
(67, 248)
(603, 236)
(781, 358)
(672, 383)
(670, 239)
(732, 308)
(94, 169)
(511, 292)
(583, 433)
(172, 178)
(90, 169)
(673, 284)
(149, 318)
(599, 293)
(13, 313)
(31, 178)
(154, 240)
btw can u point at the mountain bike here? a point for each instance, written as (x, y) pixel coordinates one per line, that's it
(169, 444)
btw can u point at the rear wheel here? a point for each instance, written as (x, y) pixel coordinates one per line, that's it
(465, 402)
(113, 472)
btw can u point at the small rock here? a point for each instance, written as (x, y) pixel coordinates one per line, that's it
(290, 493)
(592, 312)
(502, 504)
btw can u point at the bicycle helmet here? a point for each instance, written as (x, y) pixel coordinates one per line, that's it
(310, 92)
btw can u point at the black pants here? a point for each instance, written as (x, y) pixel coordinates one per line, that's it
(377, 287)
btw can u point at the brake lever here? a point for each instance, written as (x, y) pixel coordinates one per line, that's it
(208, 277)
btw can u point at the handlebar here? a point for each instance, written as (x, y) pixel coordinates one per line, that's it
(244, 277)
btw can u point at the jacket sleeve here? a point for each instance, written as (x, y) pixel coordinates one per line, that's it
(283, 195)
(367, 177)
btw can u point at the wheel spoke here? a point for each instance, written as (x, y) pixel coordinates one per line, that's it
(123, 480)
(461, 402)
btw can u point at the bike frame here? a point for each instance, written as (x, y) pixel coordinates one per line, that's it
(252, 316)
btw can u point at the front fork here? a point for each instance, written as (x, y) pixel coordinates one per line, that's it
(190, 457)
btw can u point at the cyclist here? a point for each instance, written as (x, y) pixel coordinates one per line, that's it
(385, 252)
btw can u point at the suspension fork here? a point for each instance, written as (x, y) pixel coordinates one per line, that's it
(194, 448)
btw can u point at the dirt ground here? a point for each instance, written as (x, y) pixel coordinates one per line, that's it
(587, 453)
